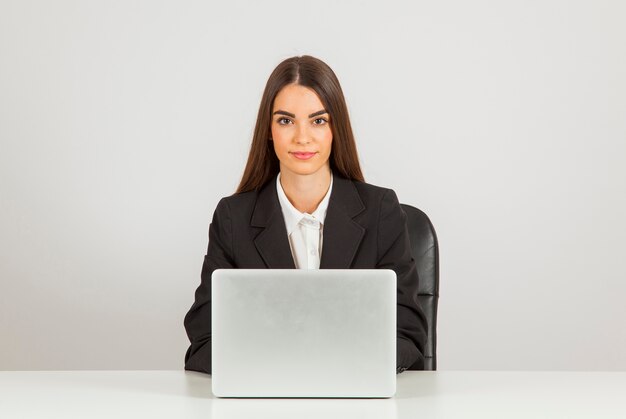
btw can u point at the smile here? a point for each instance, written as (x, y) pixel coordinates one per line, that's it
(303, 155)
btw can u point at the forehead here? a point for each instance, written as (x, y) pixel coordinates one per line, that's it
(295, 97)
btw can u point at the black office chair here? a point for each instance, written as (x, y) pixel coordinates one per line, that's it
(425, 251)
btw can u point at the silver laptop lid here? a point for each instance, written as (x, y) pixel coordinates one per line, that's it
(304, 333)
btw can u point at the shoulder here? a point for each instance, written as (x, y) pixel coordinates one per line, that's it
(236, 203)
(239, 199)
(370, 202)
(383, 209)
(242, 205)
(371, 193)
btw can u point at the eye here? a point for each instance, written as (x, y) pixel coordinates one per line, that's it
(283, 121)
(322, 121)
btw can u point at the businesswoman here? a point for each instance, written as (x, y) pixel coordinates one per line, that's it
(303, 203)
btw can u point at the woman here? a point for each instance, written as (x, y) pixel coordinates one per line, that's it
(302, 203)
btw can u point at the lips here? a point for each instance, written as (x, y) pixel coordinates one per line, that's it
(302, 155)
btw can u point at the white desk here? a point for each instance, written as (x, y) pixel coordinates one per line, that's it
(179, 394)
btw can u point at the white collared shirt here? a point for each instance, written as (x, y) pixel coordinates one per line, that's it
(305, 231)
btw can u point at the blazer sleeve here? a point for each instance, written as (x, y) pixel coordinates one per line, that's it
(394, 252)
(198, 319)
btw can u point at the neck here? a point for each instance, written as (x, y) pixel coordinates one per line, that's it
(305, 192)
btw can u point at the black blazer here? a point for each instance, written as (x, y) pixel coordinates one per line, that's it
(364, 228)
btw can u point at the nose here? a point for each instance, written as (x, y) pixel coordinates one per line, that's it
(302, 135)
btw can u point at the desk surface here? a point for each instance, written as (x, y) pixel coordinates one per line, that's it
(180, 394)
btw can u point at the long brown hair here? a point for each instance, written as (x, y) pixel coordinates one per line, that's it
(315, 74)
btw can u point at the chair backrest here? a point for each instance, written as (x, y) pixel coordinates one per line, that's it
(425, 251)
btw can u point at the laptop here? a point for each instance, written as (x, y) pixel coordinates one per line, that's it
(304, 333)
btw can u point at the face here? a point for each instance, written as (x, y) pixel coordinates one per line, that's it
(301, 131)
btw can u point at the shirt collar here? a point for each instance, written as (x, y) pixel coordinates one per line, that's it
(292, 216)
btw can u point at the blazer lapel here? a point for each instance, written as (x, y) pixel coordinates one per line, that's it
(342, 235)
(272, 243)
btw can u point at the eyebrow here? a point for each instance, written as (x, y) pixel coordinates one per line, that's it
(281, 112)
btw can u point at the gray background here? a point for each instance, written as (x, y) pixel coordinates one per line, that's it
(123, 123)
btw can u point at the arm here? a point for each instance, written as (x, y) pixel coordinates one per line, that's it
(198, 319)
(394, 250)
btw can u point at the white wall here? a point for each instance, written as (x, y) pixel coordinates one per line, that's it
(123, 123)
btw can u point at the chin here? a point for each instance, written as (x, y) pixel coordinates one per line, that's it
(303, 170)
